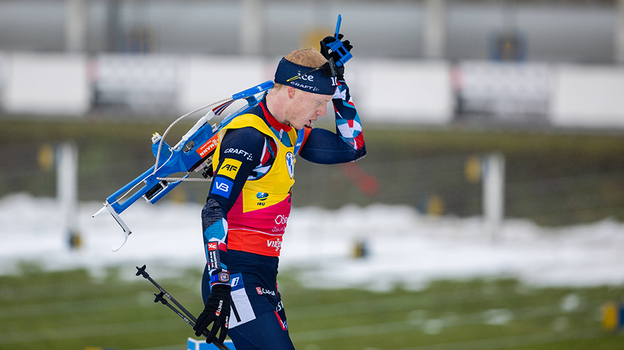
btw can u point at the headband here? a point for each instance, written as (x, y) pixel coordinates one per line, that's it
(314, 80)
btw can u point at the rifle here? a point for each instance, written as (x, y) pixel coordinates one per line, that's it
(192, 153)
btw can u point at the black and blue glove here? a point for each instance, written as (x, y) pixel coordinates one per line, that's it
(216, 311)
(337, 52)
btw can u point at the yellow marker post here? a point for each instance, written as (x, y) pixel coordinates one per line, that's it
(612, 316)
(472, 169)
(45, 157)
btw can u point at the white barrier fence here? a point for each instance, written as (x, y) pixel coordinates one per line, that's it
(45, 84)
(385, 91)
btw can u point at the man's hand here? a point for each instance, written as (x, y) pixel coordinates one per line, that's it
(335, 55)
(217, 310)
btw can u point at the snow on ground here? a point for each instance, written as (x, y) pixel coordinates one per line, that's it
(403, 246)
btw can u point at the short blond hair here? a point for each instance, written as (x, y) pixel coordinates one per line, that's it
(304, 57)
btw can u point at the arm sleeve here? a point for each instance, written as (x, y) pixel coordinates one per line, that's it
(240, 152)
(347, 144)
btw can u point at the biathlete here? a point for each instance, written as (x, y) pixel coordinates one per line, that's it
(250, 197)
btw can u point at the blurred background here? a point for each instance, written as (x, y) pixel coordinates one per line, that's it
(435, 82)
(495, 110)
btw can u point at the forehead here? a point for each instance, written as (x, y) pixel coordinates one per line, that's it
(317, 97)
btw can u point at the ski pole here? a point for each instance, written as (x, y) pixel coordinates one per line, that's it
(187, 316)
(141, 271)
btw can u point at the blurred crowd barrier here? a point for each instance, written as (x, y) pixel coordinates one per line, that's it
(385, 90)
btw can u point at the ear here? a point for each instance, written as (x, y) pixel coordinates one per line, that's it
(291, 92)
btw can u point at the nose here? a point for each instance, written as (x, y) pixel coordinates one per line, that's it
(322, 110)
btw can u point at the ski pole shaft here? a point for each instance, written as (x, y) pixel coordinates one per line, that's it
(141, 271)
(191, 322)
(159, 298)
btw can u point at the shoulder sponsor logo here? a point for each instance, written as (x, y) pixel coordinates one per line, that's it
(245, 154)
(212, 246)
(229, 168)
(222, 187)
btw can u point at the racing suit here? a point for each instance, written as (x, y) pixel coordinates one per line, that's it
(249, 204)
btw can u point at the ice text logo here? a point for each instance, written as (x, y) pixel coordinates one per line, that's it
(306, 77)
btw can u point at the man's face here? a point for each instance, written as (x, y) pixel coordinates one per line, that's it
(305, 108)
